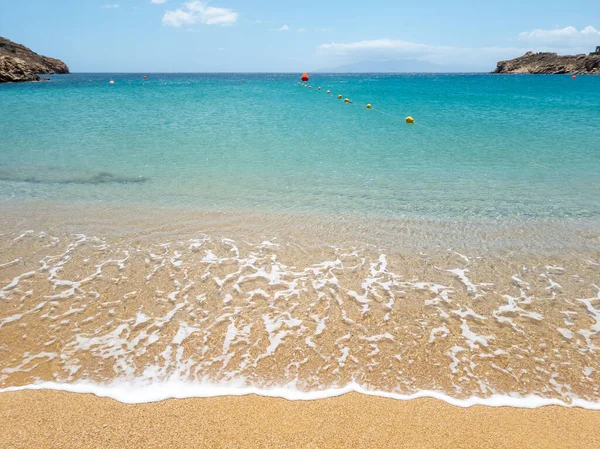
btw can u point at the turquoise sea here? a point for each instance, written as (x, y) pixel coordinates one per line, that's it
(483, 146)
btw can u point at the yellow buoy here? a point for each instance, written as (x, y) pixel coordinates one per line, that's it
(369, 106)
(328, 91)
(318, 88)
(310, 87)
(340, 97)
(347, 100)
(410, 120)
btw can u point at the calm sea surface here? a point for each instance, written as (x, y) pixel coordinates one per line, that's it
(485, 147)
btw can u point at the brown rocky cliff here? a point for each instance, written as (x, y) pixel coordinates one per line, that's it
(19, 63)
(551, 63)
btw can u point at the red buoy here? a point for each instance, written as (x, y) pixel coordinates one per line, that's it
(574, 77)
(145, 77)
(305, 77)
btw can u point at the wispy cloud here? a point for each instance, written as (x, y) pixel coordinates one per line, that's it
(561, 40)
(301, 30)
(158, 2)
(373, 47)
(110, 6)
(198, 12)
(390, 49)
(562, 37)
(283, 28)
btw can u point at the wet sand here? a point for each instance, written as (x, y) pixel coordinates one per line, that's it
(110, 301)
(212, 298)
(47, 419)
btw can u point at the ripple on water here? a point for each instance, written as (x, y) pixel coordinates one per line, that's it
(80, 308)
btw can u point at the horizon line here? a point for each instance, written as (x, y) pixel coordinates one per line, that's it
(264, 73)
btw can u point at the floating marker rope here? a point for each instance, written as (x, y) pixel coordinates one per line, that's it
(460, 140)
(407, 118)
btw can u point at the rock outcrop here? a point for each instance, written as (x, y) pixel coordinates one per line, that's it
(550, 64)
(19, 63)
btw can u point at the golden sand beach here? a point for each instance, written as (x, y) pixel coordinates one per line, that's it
(94, 299)
(48, 419)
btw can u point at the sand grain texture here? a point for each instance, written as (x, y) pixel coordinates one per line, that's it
(47, 419)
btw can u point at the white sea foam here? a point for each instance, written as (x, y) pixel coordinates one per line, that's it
(473, 289)
(568, 334)
(213, 309)
(12, 262)
(144, 392)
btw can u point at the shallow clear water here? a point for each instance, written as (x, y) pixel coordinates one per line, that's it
(223, 234)
(486, 147)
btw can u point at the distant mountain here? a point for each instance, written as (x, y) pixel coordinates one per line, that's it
(395, 66)
(19, 63)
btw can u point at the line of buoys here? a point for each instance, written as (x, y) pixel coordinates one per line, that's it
(409, 119)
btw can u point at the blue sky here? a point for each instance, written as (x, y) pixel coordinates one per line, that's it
(270, 35)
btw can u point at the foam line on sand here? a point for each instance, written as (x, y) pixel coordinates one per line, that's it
(139, 393)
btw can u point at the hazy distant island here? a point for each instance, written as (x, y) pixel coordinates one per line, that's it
(552, 64)
(18, 63)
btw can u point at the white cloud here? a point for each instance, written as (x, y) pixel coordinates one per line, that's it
(158, 2)
(198, 12)
(178, 17)
(563, 41)
(374, 47)
(283, 28)
(111, 6)
(334, 54)
(563, 37)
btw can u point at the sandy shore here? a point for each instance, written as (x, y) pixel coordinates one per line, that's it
(46, 419)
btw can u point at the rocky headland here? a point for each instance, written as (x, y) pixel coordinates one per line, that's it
(551, 64)
(18, 63)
